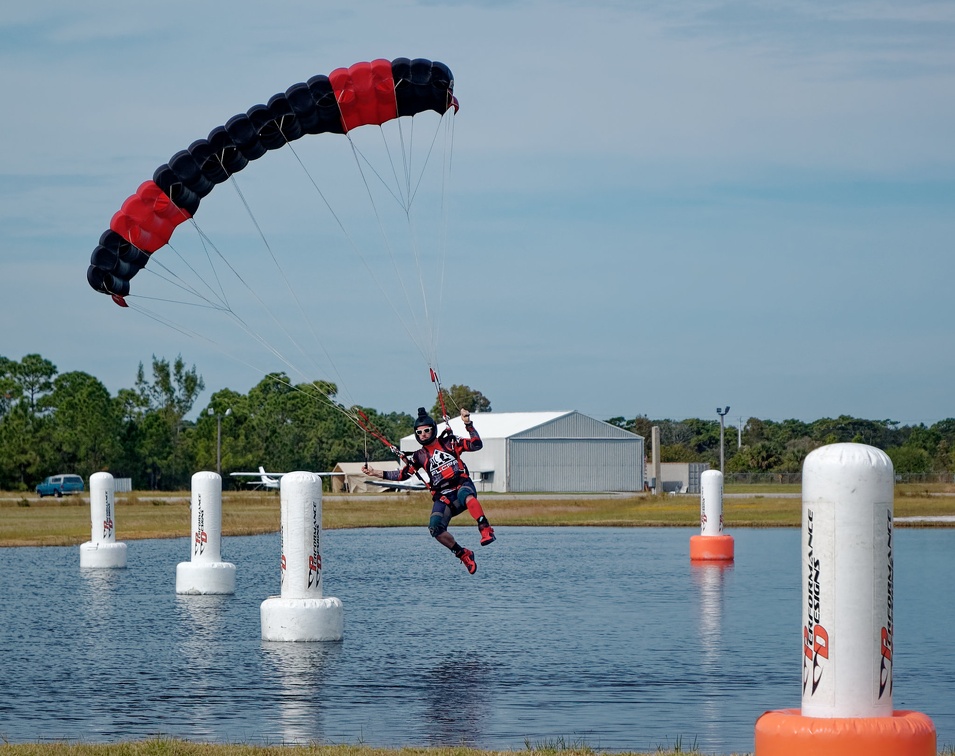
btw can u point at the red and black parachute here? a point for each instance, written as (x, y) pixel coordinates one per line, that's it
(364, 94)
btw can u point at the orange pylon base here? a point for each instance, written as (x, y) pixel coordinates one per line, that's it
(711, 548)
(787, 733)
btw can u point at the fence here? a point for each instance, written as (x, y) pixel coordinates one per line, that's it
(744, 479)
(747, 479)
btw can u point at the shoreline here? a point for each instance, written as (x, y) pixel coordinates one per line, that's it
(26, 520)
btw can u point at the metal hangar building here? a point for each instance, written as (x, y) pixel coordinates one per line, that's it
(558, 452)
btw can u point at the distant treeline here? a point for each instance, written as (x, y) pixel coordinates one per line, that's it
(69, 423)
(765, 446)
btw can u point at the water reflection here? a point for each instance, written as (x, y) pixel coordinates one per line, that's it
(201, 622)
(98, 591)
(300, 670)
(202, 617)
(96, 597)
(455, 701)
(709, 578)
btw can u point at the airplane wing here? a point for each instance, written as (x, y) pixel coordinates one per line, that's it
(398, 486)
(279, 475)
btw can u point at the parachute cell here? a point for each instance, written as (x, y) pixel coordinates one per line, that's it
(364, 94)
(148, 217)
(206, 157)
(187, 170)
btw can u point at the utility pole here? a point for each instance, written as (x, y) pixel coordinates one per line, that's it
(722, 414)
(219, 437)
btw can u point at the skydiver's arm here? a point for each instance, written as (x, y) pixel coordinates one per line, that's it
(396, 475)
(473, 442)
(404, 473)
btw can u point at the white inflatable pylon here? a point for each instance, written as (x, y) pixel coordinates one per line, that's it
(847, 632)
(301, 612)
(712, 544)
(205, 572)
(102, 550)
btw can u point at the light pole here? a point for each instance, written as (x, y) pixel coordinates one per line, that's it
(219, 436)
(722, 414)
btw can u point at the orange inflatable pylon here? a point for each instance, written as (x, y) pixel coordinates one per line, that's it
(787, 733)
(711, 548)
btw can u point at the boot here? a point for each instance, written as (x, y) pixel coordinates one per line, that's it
(467, 559)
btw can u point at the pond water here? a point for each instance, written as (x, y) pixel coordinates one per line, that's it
(606, 637)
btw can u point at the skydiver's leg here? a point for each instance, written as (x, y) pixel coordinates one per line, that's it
(468, 494)
(438, 524)
(441, 514)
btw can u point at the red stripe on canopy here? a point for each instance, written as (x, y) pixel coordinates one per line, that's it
(365, 93)
(148, 217)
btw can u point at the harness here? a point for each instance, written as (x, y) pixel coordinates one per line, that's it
(446, 435)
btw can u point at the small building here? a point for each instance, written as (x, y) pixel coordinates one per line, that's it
(349, 477)
(678, 477)
(549, 452)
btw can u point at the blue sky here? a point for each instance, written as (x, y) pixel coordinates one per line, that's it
(654, 208)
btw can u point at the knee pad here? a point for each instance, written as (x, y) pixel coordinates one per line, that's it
(436, 526)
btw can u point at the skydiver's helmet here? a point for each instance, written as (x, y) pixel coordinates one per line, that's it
(424, 422)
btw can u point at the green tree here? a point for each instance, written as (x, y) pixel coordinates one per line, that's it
(10, 389)
(35, 378)
(674, 433)
(24, 448)
(25, 451)
(847, 429)
(393, 425)
(794, 455)
(910, 460)
(946, 430)
(460, 397)
(763, 456)
(85, 427)
(130, 407)
(924, 438)
(677, 453)
(228, 409)
(162, 444)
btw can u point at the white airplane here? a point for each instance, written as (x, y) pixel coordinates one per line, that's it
(270, 480)
(265, 479)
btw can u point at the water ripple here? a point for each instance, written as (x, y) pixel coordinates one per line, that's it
(603, 636)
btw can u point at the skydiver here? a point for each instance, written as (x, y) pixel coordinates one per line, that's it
(452, 489)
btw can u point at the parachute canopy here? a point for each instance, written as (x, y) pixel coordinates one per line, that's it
(364, 94)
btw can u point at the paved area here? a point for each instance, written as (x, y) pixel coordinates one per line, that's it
(939, 518)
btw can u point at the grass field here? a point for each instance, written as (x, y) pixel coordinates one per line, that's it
(26, 520)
